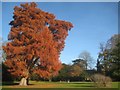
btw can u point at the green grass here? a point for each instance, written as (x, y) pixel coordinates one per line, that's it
(115, 84)
(35, 84)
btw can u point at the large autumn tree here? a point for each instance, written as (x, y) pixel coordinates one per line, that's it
(36, 39)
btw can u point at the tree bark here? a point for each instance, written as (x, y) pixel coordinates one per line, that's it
(23, 82)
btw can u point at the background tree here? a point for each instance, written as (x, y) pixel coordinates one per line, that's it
(0, 60)
(87, 58)
(69, 73)
(6, 76)
(84, 74)
(3, 67)
(64, 73)
(81, 63)
(115, 62)
(108, 58)
(100, 67)
(115, 57)
(75, 71)
(0, 49)
(36, 39)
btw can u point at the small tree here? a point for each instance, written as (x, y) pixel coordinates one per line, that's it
(36, 39)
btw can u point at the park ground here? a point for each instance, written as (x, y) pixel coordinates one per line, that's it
(39, 84)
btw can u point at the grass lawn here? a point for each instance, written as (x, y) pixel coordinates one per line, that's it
(35, 84)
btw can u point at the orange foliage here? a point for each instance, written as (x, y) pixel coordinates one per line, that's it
(36, 40)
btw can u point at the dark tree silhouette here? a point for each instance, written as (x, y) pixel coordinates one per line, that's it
(109, 58)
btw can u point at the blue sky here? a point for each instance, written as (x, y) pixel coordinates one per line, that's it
(93, 23)
(0, 18)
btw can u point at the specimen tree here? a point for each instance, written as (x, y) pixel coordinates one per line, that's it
(36, 39)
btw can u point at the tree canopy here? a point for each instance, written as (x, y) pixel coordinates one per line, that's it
(87, 58)
(109, 58)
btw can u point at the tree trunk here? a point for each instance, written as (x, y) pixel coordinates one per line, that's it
(23, 82)
(27, 81)
(50, 80)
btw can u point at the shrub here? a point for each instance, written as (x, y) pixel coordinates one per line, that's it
(101, 80)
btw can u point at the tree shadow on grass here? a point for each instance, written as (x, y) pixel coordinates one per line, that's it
(12, 83)
(84, 86)
(31, 84)
(9, 83)
(81, 83)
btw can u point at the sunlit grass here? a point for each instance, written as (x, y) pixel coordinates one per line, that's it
(35, 84)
